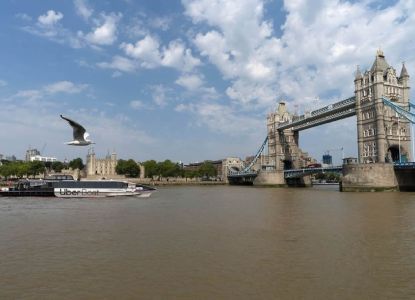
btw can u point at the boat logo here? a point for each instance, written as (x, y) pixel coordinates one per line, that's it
(82, 192)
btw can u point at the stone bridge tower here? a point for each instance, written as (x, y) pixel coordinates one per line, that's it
(382, 135)
(283, 147)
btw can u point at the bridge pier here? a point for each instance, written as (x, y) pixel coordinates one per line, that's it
(270, 178)
(304, 181)
(369, 178)
(277, 179)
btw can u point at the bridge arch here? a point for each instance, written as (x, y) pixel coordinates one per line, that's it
(288, 164)
(234, 169)
(393, 153)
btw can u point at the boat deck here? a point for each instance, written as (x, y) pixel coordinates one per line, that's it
(39, 193)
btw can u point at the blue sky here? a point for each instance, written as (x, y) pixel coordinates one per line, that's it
(186, 80)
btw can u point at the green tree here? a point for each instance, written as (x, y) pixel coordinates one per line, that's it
(320, 176)
(190, 174)
(35, 167)
(333, 177)
(168, 168)
(58, 166)
(120, 167)
(76, 163)
(21, 169)
(207, 169)
(151, 168)
(6, 170)
(128, 168)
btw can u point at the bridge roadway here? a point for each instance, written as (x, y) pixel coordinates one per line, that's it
(248, 177)
(333, 112)
(244, 177)
(297, 173)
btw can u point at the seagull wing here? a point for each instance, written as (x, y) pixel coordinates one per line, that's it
(78, 129)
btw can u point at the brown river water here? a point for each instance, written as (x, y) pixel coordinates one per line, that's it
(216, 242)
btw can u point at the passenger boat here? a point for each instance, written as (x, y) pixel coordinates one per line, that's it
(64, 186)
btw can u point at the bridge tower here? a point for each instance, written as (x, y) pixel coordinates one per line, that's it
(283, 147)
(382, 135)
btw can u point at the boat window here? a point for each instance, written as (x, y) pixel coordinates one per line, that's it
(91, 184)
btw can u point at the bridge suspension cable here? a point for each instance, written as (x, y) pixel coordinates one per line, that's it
(401, 110)
(258, 154)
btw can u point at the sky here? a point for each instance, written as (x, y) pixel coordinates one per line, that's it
(186, 80)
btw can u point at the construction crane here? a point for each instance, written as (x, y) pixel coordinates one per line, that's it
(335, 150)
(332, 150)
(43, 149)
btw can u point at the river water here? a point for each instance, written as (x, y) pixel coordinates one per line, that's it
(216, 242)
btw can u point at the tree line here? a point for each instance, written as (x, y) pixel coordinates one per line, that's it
(129, 168)
(330, 177)
(22, 169)
(165, 168)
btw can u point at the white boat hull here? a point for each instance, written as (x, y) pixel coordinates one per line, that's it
(98, 193)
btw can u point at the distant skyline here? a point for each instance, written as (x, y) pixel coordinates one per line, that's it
(186, 80)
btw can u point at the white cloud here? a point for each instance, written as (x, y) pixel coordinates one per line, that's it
(49, 27)
(65, 87)
(244, 50)
(83, 9)
(116, 74)
(119, 63)
(136, 104)
(190, 81)
(335, 37)
(317, 53)
(24, 17)
(136, 28)
(29, 94)
(146, 50)
(159, 94)
(195, 86)
(50, 18)
(151, 55)
(105, 31)
(177, 56)
(162, 23)
(222, 118)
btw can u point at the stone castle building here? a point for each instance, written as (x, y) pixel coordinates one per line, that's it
(383, 135)
(102, 167)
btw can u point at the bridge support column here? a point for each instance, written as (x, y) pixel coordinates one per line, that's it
(369, 178)
(270, 178)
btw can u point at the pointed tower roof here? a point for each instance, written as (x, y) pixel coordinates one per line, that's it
(404, 72)
(358, 74)
(380, 63)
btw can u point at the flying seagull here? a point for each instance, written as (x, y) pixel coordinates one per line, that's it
(80, 136)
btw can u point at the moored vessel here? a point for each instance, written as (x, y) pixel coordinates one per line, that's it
(64, 186)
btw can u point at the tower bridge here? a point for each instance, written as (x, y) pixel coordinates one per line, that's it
(383, 118)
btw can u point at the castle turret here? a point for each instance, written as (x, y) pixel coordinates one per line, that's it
(404, 72)
(358, 74)
(91, 162)
(380, 64)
